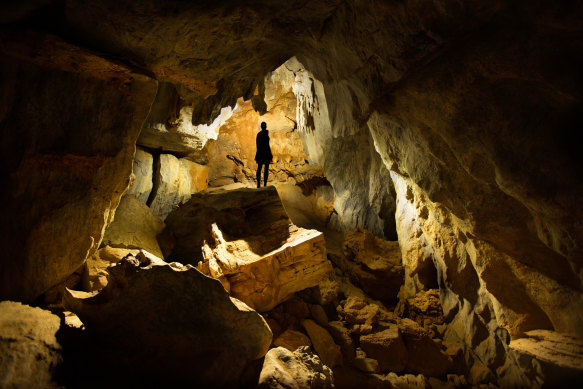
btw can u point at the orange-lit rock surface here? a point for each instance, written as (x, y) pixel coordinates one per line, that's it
(245, 239)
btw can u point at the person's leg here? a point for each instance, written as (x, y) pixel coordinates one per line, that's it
(259, 175)
(265, 173)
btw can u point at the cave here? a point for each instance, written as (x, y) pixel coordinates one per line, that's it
(421, 226)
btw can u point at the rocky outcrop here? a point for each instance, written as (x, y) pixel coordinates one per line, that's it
(29, 351)
(69, 127)
(134, 227)
(95, 275)
(175, 180)
(142, 179)
(387, 348)
(373, 264)
(323, 343)
(559, 356)
(299, 369)
(169, 126)
(154, 316)
(245, 239)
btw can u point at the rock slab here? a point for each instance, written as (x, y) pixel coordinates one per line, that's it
(134, 227)
(245, 239)
(299, 369)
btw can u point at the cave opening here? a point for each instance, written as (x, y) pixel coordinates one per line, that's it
(421, 227)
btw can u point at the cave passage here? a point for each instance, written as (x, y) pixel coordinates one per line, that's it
(421, 226)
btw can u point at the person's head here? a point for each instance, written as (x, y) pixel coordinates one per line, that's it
(263, 125)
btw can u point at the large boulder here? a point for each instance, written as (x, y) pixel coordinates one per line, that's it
(159, 317)
(323, 343)
(142, 175)
(299, 369)
(175, 180)
(559, 356)
(387, 348)
(95, 275)
(245, 239)
(69, 124)
(134, 227)
(29, 350)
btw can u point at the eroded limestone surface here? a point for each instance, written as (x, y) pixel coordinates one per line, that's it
(244, 238)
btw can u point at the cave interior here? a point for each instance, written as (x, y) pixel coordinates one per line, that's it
(421, 226)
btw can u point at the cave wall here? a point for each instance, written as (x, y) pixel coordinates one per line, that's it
(68, 129)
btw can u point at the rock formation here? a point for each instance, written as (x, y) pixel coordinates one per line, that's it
(154, 316)
(298, 369)
(245, 239)
(142, 179)
(134, 227)
(29, 351)
(175, 180)
(67, 164)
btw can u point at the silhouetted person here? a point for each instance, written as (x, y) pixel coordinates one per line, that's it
(263, 156)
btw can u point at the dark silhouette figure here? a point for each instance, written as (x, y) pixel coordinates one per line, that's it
(263, 156)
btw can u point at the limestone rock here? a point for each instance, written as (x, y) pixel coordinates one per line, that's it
(424, 355)
(142, 175)
(134, 227)
(374, 264)
(424, 308)
(169, 126)
(291, 340)
(251, 243)
(366, 365)
(342, 337)
(154, 316)
(318, 314)
(560, 356)
(29, 351)
(407, 381)
(175, 180)
(95, 275)
(323, 343)
(299, 369)
(65, 172)
(387, 348)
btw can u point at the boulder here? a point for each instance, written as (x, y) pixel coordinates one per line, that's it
(560, 356)
(299, 369)
(387, 348)
(249, 243)
(175, 180)
(407, 381)
(29, 350)
(155, 316)
(424, 308)
(342, 337)
(425, 356)
(374, 264)
(366, 365)
(134, 227)
(142, 175)
(95, 275)
(318, 314)
(291, 340)
(323, 343)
